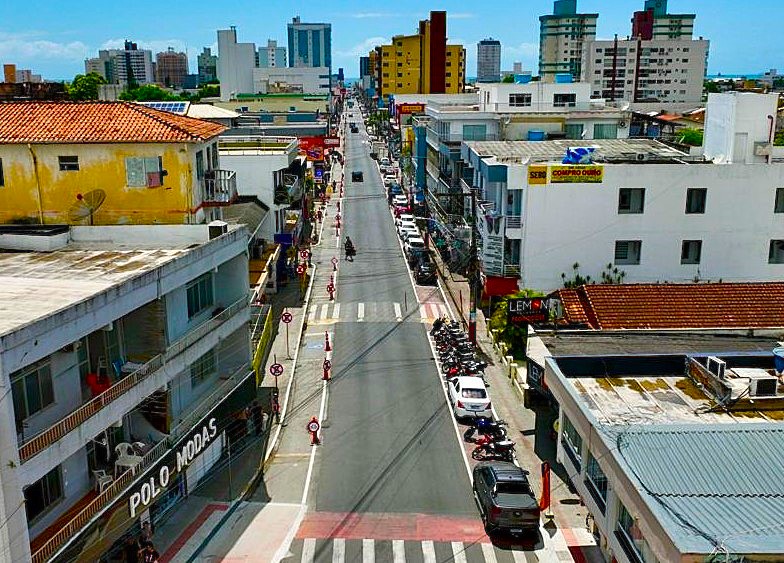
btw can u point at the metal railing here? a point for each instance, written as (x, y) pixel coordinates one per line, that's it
(44, 439)
(220, 187)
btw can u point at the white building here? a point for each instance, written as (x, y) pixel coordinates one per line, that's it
(271, 55)
(561, 38)
(488, 60)
(310, 44)
(117, 346)
(281, 79)
(655, 74)
(652, 211)
(236, 62)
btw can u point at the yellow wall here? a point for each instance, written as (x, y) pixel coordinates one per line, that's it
(455, 58)
(44, 190)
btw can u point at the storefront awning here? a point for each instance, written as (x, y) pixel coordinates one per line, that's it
(498, 286)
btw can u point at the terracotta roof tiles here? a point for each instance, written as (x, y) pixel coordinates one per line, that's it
(98, 122)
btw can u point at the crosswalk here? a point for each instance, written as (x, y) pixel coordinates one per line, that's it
(329, 313)
(340, 550)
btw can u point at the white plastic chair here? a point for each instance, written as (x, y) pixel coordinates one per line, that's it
(124, 449)
(102, 480)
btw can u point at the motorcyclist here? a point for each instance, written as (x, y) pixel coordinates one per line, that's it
(350, 251)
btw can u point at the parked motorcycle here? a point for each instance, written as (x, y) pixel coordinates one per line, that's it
(487, 449)
(495, 429)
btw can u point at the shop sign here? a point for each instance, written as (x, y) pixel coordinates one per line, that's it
(535, 373)
(404, 109)
(527, 310)
(158, 482)
(576, 174)
(331, 142)
(537, 175)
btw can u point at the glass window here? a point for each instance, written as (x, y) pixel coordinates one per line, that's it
(68, 163)
(605, 131)
(203, 368)
(574, 130)
(572, 441)
(2, 178)
(695, 200)
(631, 200)
(564, 100)
(628, 532)
(776, 252)
(596, 481)
(43, 493)
(778, 206)
(32, 390)
(199, 295)
(519, 100)
(144, 172)
(199, 165)
(691, 251)
(474, 132)
(627, 252)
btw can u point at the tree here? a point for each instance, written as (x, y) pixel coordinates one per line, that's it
(508, 79)
(85, 86)
(778, 139)
(690, 136)
(149, 93)
(209, 91)
(711, 87)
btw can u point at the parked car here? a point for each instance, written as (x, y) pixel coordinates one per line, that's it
(390, 179)
(403, 218)
(406, 230)
(469, 397)
(425, 273)
(385, 162)
(506, 501)
(416, 256)
(400, 199)
(401, 209)
(413, 243)
(395, 189)
(357, 176)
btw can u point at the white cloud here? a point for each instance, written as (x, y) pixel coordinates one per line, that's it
(154, 45)
(460, 15)
(363, 48)
(367, 15)
(526, 50)
(28, 47)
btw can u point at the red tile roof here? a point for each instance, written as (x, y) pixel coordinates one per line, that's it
(675, 306)
(98, 122)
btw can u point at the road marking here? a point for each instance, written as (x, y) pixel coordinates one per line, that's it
(444, 310)
(519, 556)
(398, 312)
(423, 312)
(398, 551)
(338, 550)
(458, 553)
(428, 552)
(336, 311)
(324, 312)
(487, 551)
(312, 314)
(368, 551)
(308, 550)
(309, 474)
(360, 312)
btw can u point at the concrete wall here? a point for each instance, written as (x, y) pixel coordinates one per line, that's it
(735, 121)
(236, 62)
(305, 79)
(495, 97)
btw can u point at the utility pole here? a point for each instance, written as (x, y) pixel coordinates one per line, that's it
(473, 273)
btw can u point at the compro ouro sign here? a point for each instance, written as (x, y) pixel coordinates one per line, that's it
(539, 175)
(185, 453)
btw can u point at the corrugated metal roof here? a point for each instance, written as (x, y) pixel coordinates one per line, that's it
(710, 481)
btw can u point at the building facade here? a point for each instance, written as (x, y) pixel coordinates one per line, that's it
(109, 163)
(171, 68)
(310, 44)
(207, 66)
(561, 38)
(102, 403)
(127, 66)
(236, 62)
(272, 55)
(488, 60)
(298, 80)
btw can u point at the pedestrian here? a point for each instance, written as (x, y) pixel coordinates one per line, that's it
(149, 554)
(276, 406)
(310, 258)
(255, 415)
(131, 550)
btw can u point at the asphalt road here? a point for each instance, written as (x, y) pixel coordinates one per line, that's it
(392, 446)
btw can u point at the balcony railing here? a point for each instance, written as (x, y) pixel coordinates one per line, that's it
(124, 481)
(220, 187)
(41, 441)
(289, 190)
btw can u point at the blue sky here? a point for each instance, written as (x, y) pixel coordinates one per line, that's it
(53, 38)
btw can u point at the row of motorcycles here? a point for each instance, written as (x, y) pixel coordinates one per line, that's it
(458, 357)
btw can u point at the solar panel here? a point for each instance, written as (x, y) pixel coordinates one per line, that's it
(180, 108)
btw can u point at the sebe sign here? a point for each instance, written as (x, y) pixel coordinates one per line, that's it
(527, 310)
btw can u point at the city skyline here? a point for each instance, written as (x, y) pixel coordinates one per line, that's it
(57, 47)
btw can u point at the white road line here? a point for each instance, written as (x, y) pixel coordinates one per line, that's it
(368, 551)
(458, 553)
(360, 312)
(336, 311)
(398, 312)
(519, 556)
(308, 550)
(443, 309)
(309, 474)
(423, 312)
(324, 311)
(338, 550)
(312, 315)
(487, 551)
(428, 552)
(398, 551)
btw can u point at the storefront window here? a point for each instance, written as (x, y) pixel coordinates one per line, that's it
(596, 481)
(630, 536)
(572, 442)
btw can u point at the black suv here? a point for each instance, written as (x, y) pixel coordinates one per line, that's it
(356, 176)
(425, 271)
(505, 498)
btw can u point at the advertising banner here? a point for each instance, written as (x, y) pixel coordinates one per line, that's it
(312, 147)
(537, 175)
(405, 109)
(576, 174)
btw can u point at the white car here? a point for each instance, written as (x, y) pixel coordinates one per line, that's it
(404, 218)
(469, 397)
(400, 200)
(414, 243)
(408, 232)
(385, 162)
(390, 179)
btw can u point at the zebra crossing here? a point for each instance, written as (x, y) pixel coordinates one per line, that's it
(341, 550)
(329, 313)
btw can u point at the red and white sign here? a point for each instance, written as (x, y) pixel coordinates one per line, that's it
(331, 141)
(286, 317)
(313, 426)
(276, 370)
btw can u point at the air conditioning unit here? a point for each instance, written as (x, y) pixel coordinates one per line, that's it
(762, 384)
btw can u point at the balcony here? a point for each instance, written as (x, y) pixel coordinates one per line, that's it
(220, 188)
(73, 522)
(288, 190)
(44, 439)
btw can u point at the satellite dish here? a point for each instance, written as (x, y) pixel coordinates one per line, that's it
(86, 205)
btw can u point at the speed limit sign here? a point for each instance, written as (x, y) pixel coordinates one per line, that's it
(313, 426)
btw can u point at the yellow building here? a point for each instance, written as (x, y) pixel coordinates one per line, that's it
(420, 64)
(108, 163)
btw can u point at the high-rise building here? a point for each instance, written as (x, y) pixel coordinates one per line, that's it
(561, 38)
(127, 66)
(488, 60)
(422, 63)
(655, 23)
(271, 55)
(236, 62)
(364, 67)
(171, 68)
(310, 44)
(207, 66)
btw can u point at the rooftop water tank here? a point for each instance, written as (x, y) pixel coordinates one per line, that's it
(522, 78)
(778, 359)
(563, 78)
(536, 135)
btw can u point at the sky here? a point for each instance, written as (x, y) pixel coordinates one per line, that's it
(53, 38)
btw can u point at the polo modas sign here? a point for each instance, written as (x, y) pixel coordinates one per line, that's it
(157, 483)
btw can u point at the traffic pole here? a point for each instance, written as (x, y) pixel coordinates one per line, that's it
(327, 347)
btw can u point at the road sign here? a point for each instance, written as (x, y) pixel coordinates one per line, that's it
(286, 317)
(313, 426)
(301, 269)
(327, 364)
(304, 254)
(334, 260)
(330, 288)
(276, 370)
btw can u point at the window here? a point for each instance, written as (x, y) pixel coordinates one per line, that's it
(631, 538)
(564, 100)
(203, 368)
(68, 163)
(627, 252)
(776, 252)
(691, 250)
(43, 493)
(631, 200)
(778, 206)
(605, 131)
(596, 481)
(572, 442)
(144, 172)
(574, 130)
(199, 295)
(2, 178)
(199, 165)
(519, 100)
(695, 200)
(474, 132)
(32, 390)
